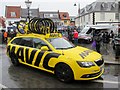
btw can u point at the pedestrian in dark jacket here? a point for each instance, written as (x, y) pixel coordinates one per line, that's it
(3, 36)
(106, 40)
(111, 35)
(70, 36)
(98, 43)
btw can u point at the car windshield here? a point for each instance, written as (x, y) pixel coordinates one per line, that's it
(84, 30)
(118, 35)
(60, 43)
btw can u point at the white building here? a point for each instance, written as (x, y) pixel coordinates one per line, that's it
(99, 12)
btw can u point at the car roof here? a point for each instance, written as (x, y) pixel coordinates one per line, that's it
(31, 35)
(50, 35)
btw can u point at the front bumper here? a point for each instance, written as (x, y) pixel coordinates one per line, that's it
(89, 73)
(94, 75)
(90, 76)
(86, 40)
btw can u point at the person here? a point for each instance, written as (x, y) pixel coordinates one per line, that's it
(38, 46)
(94, 44)
(106, 40)
(5, 37)
(12, 34)
(94, 32)
(70, 35)
(98, 42)
(75, 36)
(111, 35)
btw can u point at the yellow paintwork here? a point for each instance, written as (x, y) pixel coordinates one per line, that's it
(68, 56)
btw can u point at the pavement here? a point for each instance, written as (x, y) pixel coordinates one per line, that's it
(112, 61)
(109, 56)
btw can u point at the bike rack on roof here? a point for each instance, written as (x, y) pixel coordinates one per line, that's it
(36, 25)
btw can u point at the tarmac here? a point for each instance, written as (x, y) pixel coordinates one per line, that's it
(109, 57)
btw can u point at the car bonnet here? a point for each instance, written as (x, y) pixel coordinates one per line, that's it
(81, 53)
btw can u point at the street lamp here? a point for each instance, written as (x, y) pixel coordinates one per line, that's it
(28, 4)
(78, 13)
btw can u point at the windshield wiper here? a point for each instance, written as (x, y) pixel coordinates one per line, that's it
(70, 47)
(60, 48)
(66, 48)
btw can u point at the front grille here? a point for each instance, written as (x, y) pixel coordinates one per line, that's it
(99, 62)
(91, 75)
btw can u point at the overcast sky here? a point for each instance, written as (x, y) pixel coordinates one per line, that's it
(47, 5)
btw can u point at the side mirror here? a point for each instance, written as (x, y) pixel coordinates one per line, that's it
(44, 48)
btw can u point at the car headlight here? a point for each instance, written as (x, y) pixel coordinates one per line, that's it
(85, 64)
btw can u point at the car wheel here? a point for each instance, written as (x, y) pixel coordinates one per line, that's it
(64, 73)
(14, 60)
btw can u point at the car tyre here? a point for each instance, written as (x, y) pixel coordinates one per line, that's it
(14, 60)
(64, 73)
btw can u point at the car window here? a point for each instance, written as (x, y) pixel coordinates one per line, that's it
(63, 44)
(16, 41)
(38, 43)
(85, 30)
(89, 31)
(118, 35)
(26, 42)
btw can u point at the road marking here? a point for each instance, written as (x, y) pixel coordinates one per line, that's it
(2, 86)
(105, 81)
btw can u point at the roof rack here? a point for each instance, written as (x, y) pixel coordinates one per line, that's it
(36, 25)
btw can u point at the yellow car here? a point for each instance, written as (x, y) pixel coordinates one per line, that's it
(54, 54)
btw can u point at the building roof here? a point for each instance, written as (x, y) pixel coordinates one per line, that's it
(64, 15)
(100, 6)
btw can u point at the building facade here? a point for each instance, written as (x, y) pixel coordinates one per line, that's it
(54, 15)
(2, 23)
(72, 20)
(65, 18)
(99, 12)
(12, 13)
(32, 12)
(16, 13)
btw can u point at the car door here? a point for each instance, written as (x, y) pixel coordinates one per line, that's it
(44, 59)
(40, 54)
(19, 48)
(25, 49)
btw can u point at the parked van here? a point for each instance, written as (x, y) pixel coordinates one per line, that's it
(86, 33)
